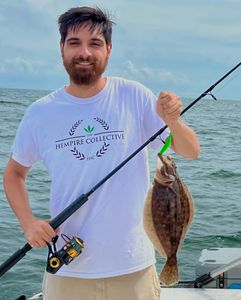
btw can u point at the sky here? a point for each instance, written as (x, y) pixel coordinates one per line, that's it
(168, 45)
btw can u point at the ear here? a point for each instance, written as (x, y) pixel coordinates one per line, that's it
(109, 48)
(61, 48)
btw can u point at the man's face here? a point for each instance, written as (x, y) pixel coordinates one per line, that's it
(85, 55)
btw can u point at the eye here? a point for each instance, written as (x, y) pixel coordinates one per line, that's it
(73, 43)
(96, 44)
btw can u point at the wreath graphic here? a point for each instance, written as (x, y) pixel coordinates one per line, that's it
(102, 150)
(77, 154)
(102, 123)
(74, 127)
(89, 129)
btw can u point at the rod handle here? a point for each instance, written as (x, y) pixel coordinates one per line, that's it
(13, 259)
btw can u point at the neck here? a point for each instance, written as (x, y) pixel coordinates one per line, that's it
(86, 91)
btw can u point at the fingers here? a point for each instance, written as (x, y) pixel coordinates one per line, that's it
(39, 233)
(169, 106)
(169, 101)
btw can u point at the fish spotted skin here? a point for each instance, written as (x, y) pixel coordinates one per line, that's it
(168, 213)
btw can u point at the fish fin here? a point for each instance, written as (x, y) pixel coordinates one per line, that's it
(169, 273)
(188, 200)
(149, 226)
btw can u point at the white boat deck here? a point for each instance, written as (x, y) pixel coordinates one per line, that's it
(199, 294)
(190, 294)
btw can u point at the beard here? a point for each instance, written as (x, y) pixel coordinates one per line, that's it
(82, 75)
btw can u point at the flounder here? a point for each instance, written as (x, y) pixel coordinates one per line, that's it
(168, 213)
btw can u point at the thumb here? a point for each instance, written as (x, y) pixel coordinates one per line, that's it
(163, 94)
(57, 230)
(163, 97)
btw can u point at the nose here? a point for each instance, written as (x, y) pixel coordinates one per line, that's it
(84, 52)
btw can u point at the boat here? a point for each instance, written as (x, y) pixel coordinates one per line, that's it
(185, 294)
(218, 277)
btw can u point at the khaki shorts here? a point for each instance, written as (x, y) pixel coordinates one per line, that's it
(142, 285)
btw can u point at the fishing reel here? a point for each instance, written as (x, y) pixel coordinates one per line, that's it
(72, 248)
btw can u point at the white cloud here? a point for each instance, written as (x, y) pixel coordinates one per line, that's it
(21, 66)
(45, 7)
(39, 5)
(182, 19)
(155, 75)
(188, 39)
(56, 7)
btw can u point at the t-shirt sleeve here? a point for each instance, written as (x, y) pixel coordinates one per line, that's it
(24, 149)
(153, 122)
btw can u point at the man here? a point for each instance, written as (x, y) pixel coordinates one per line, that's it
(81, 132)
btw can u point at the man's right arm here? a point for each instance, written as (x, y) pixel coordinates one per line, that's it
(37, 232)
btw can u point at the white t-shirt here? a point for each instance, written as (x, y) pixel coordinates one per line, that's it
(80, 141)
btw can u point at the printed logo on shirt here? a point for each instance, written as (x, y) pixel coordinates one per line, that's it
(95, 132)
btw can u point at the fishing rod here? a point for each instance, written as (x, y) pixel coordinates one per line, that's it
(76, 204)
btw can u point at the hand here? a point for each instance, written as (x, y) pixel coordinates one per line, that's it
(169, 107)
(39, 232)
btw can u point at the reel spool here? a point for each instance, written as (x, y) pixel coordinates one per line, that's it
(72, 248)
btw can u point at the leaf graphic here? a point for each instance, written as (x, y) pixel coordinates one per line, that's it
(89, 129)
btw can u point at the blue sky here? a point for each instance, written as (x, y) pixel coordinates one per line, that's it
(183, 46)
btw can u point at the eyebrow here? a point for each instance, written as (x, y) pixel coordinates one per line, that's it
(94, 39)
(72, 39)
(97, 40)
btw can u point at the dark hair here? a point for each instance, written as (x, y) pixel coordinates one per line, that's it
(76, 17)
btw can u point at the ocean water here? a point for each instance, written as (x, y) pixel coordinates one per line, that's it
(214, 181)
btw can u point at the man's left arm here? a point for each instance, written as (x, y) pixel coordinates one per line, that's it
(184, 141)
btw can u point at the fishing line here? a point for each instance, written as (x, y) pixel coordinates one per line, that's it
(228, 82)
(197, 107)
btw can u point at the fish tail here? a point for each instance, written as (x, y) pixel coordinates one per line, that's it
(169, 273)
